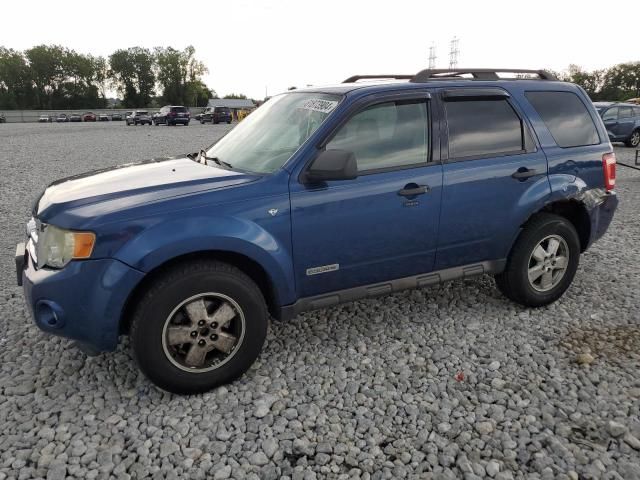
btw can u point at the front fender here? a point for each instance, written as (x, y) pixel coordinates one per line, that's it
(168, 239)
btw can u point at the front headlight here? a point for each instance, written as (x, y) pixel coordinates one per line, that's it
(56, 247)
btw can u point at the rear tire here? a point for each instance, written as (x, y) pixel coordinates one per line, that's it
(634, 140)
(542, 263)
(183, 310)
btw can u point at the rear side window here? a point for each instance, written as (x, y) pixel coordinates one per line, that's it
(566, 117)
(480, 128)
(625, 112)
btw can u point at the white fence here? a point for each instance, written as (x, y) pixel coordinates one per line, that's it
(25, 116)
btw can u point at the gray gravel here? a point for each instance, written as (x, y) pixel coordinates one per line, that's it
(364, 390)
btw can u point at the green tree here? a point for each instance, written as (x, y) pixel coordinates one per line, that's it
(238, 96)
(15, 82)
(591, 82)
(622, 81)
(132, 74)
(45, 70)
(179, 75)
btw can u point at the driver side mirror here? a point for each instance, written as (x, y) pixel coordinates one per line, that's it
(332, 165)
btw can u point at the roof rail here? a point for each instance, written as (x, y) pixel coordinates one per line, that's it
(355, 78)
(477, 74)
(451, 73)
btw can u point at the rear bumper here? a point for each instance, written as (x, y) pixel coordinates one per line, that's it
(83, 301)
(601, 214)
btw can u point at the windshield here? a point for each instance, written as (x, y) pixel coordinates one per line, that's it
(267, 138)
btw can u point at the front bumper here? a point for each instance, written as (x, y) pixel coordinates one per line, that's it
(83, 301)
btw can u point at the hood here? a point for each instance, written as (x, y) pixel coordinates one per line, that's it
(134, 184)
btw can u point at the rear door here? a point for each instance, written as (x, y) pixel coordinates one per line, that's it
(493, 175)
(626, 122)
(383, 225)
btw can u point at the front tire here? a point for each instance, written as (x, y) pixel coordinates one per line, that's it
(200, 325)
(542, 263)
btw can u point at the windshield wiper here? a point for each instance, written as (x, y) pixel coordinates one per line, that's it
(202, 158)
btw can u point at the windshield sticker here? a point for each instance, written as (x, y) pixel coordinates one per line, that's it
(319, 105)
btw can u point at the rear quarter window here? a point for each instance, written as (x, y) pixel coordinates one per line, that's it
(566, 117)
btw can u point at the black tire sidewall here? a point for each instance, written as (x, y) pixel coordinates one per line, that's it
(147, 337)
(520, 261)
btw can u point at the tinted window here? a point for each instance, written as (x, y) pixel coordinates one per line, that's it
(625, 112)
(483, 127)
(566, 117)
(222, 110)
(386, 135)
(178, 109)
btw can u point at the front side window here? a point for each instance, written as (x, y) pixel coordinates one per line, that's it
(267, 138)
(566, 117)
(480, 128)
(611, 114)
(386, 135)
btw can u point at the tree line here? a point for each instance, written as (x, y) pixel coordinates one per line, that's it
(618, 83)
(49, 77)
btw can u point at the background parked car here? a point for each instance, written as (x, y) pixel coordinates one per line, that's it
(216, 115)
(44, 118)
(622, 121)
(139, 117)
(62, 117)
(89, 117)
(116, 117)
(103, 117)
(172, 115)
(3, 119)
(75, 117)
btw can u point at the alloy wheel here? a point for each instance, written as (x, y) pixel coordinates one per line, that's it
(548, 263)
(203, 332)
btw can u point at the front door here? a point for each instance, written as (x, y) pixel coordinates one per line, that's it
(383, 225)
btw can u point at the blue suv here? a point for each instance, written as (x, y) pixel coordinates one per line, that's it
(322, 196)
(622, 121)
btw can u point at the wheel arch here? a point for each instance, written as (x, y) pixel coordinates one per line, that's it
(247, 265)
(574, 211)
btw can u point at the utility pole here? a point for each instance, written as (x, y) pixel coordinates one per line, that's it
(432, 57)
(453, 53)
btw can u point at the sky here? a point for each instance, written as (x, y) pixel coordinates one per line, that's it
(253, 47)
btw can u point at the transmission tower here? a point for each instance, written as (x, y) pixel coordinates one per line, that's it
(432, 56)
(453, 53)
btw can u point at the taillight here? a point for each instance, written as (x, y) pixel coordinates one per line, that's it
(609, 168)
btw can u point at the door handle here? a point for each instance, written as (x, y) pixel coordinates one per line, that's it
(523, 173)
(411, 190)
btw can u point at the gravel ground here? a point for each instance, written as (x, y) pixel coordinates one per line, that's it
(447, 382)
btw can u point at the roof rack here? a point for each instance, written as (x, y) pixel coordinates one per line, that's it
(355, 78)
(457, 73)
